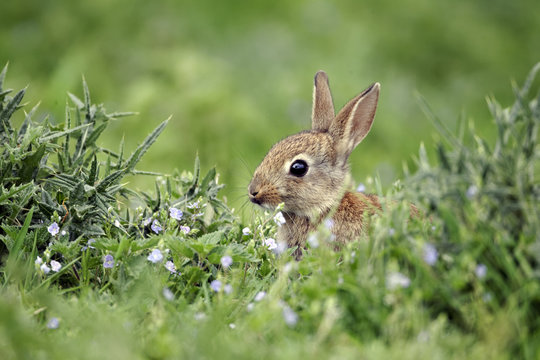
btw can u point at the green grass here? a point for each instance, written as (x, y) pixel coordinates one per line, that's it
(237, 76)
(460, 281)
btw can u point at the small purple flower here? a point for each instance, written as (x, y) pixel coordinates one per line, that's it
(194, 205)
(227, 289)
(270, 243)
(169, 265)
(155, 256)
(279, 219)
(215, 285)
(481, 271)
(185, 229)
(290, 317)
(226, 261)
(45, 268)
(38, 261)
(175, 213)
(147, 221)
(430, 254)
(53, 323)
(55, 266)
(246, 231)
(329, 224)
(361, 188)
(472, 191)
(391, 232)
(53, 229)
(156, 227)
(108, 261)
(260, 295)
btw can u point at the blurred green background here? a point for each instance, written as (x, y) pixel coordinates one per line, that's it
(237, 75)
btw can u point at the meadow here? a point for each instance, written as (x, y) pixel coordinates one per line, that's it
(121, 234)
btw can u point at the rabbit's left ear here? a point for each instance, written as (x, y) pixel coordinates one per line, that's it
(353, 122)
(323, 107)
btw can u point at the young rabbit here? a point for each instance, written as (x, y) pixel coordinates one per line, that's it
(307, 171)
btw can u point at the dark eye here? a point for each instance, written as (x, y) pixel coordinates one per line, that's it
(299, 168)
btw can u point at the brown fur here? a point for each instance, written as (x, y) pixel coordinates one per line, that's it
(321, 192)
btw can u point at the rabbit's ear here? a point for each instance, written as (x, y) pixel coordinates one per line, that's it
(353, 122)
(323, 107)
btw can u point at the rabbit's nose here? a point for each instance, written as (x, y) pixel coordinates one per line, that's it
(253, 192)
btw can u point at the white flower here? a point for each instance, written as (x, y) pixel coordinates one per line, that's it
(329, 224)
(232, 326)
(246, 231)
(117, 223)
(260, 295)
(226, 261)
(45, 268)
(63, 232)
(53, 323)
(175, 213)
(155, 256)
(481, 271)
(250, 307)
(168, 294)
(270, 243)
(279, 219)
(430, 254)
(169, 265)
(396, 279)
(361, 188)
(38, 261)
(227, 289)
(53, 229)
(55, 266)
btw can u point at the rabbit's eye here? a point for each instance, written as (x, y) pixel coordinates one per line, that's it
(299, 168)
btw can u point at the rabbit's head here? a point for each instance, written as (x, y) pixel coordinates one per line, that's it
(307, 171)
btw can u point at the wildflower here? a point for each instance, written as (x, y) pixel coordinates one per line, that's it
(396, 279)
(329, 224)
(53, 323)
(108, 262)
(199, 316)
(246, 231)
(215, 285)
(226, 261)
(168, 294)
(290, 317)
(194, 205)
(156, 227)
(45, 268)
(55, 266)
(279, 219)
(430, 254)
(313, 241)
(117, 223)
(147, 221)
(169, 265)
(250, 307)
(155, 256)
(185, 229)
(38, 261)
(391, 231)
(63, 232)
(472, 191)
(260, 295)
(270, 243)
(175, 213)
(280, 248)
(53, 229)
(227, 289)
(481, 271)
(232, 326)
(361, 188)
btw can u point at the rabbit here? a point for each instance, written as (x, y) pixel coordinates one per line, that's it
(307, 172)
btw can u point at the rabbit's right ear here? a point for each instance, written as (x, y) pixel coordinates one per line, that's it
(353, 122)
(323, 107)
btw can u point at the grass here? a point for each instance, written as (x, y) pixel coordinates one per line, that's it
(461, 281)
